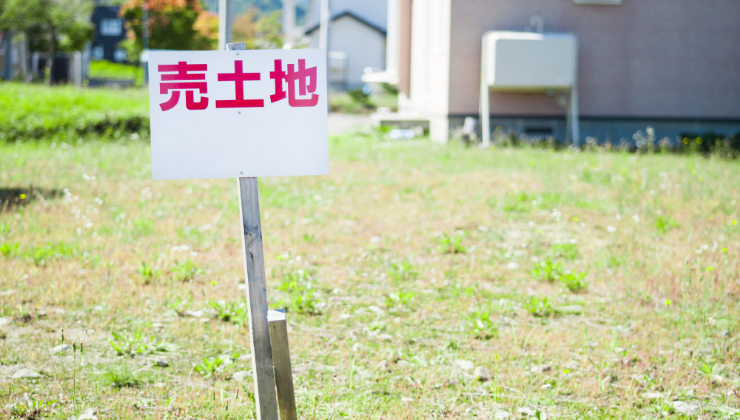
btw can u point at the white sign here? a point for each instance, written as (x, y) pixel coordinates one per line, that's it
(224, 114)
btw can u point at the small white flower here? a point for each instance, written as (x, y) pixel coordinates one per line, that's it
(636, 218)
(619, 216)
(611, 229)
(98, 201)
(512, 265)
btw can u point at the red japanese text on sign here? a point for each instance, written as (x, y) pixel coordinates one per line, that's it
(301, 85)
(179, 82)
(239, 77)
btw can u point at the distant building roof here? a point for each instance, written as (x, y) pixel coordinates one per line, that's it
(352, 15)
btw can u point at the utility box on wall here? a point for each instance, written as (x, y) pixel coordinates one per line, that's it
(526, 61)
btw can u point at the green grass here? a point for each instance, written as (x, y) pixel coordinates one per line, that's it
(584, 298)
(66, 114)
(108, 70)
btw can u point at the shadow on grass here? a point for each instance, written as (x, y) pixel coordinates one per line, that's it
(11, 197)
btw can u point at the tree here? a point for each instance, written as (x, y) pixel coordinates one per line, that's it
(49, 25)
(259, 30)
(173, 25)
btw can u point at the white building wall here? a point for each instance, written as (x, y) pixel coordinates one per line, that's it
(364, 46)
(430, 65)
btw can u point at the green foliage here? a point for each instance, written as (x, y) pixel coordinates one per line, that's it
(259, 30)
(42, 255)
(548, 270)
(142, 227)
(574, 281)
(301, 295)
(234, 312)
(402, 271)
(34, 112)
(452, 244)
(309, 238)
(120, 376)
(566, 251)
(210, 367)
(516, 202)
(185, 270)
(664, 223)
(9, 249)
(50, 26)
(149, 273)
(107, 70)
(172, 26)
(539, 307)
(31, 409)
(483, 327)
(128, 345)
(400, 299)
(360, 97)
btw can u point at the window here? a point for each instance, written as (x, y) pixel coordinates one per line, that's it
(98, 52)
(120, 55)
(111, 27)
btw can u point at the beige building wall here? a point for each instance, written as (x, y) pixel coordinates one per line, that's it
(643, 58)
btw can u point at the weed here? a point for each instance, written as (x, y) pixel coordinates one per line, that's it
(30, 409)
(234, 312)
(125, 344)
(402, 271)
(516, 202)
(574, 281)
(120, 376)
(310, 239)
(400, 299)
(209, 368)
(149, 273)
(566, 251)
(41, 255)
(709, 370)
(483, 327)
(185, 271)
(548, 270)
(302, 298)
(539, 307)
(142, 227)
(664, 224)
(9, 249)
(452, 244)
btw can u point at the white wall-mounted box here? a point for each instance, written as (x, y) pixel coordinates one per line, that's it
(527, 61)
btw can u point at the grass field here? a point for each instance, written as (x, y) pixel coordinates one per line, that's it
(590, 285)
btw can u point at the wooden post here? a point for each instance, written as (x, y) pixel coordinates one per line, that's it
(254, 266)
(281, 360)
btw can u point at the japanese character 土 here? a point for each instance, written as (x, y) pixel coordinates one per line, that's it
(182, 80)
(306, 79)
(239, 77)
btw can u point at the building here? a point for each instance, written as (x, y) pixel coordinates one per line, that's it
(671, 64)
(357, 36)
(109, 32)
